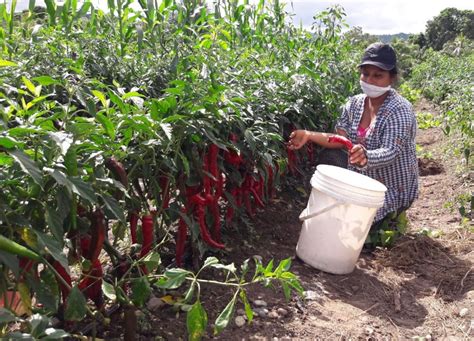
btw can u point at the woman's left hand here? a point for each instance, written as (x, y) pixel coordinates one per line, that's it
(357, 155)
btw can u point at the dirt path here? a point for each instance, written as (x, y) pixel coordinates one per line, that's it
(423, 287)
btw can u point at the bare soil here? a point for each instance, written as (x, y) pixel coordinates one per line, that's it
(422, 287)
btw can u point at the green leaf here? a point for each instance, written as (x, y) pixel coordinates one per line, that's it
(28, 166)
(53, 246)
(106, 124)
(4, 63)
(140, 291)
(47, 290)
(229, 267)
(152, 261)
(60, 177)
(6, 316)
(8, 142)
(210, 261)
(249, 137)
(46, 80)
(38, 324)
(30, 86)
(76, 308)
(173, 278)
(11, 261)
(113, 207)
(109, 290)
(54, 334)
(101, 97)
(283, 266)
(190, 292)
(196, 321)
(62, 140)
(55, 223)
(83, 189)
(70, 161)
(224, 317)
(248, 308)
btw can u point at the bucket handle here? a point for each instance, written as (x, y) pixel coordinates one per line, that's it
(304, 217)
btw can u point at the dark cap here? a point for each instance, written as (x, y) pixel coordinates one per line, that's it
(381, 55)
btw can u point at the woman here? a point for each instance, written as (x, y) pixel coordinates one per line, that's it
(382, 126)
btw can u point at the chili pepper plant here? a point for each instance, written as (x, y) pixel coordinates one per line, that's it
(127, 130)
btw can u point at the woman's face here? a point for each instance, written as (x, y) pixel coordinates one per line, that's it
(376, 76)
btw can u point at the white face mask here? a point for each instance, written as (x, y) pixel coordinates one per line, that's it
(373, 91)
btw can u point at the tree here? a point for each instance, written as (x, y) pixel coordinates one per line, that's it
(445, 27)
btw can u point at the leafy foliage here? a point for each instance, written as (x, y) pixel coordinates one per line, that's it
(84, 92)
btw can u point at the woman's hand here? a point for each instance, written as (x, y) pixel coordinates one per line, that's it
(357, 156)
(298, 138)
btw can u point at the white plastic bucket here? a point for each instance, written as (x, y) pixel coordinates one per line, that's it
(337, 219)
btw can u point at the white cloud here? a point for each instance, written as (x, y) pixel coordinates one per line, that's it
(380, 17)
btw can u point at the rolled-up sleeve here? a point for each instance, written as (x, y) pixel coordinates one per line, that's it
(398, 131)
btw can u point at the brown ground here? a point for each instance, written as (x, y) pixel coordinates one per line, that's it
(417, 289)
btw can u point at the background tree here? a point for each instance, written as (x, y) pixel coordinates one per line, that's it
(448, 25)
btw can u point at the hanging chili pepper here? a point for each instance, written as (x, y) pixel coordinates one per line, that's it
(235, 192)
(65, 289)
(270, 189)
(203, 229)
(164, 182)
(133, 219)
(292, 160)
(232, 157)
(147, 234)
(97, 233)
(341, 139)
(91, 283)
(246, 185)
(117, 170)
(26, 266)
(181, 239)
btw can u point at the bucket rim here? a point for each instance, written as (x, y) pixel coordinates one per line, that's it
(329, 171)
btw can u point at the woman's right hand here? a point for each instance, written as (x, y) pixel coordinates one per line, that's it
(298, 138)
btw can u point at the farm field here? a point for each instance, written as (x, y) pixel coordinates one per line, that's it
(148, 190)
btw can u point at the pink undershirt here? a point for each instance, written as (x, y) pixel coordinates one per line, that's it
(363, 132)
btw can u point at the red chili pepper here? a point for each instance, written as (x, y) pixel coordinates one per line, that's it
(147, 234)
(246, 186)
(66, 277)
(341, 139)
(117, 170)
(26, 266)
(205, 179)
(165, 191)
(231, 156)
(133, 218)
(216, 215)
(270, 189)
(235, 192)
(292, 160)
(203, 229)
(181, 239)
(91, 283)
(97, 232)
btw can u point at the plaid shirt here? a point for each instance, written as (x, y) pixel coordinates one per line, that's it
(391, 155)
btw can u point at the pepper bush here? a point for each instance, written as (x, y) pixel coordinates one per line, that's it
(156, 125)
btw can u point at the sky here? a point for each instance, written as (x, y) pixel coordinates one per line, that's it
(373, 16)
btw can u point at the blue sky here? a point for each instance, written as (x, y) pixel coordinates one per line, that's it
(373, 16)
